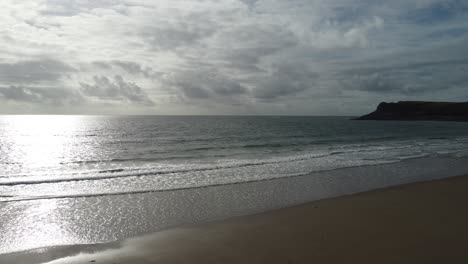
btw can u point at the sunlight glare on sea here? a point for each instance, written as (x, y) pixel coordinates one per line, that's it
(39, 141)
(30, 143)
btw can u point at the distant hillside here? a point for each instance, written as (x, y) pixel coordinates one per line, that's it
(419, 110)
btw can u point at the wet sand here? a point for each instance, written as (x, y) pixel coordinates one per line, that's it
(414, 223)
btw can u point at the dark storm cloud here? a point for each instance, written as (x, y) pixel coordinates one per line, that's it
(34, 71)
(116, 89)
(45, 95)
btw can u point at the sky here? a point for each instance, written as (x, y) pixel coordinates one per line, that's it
(229, 57)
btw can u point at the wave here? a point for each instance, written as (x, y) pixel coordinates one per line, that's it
(111, 171)
(139, 172)
(168, 168)
(189, 152)
(17, 198)
(152, 171)
(275, 144)
(42, 197)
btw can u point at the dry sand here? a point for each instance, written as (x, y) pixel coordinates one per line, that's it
(414, 223)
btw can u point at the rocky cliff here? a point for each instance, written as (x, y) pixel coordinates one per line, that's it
(418, 110)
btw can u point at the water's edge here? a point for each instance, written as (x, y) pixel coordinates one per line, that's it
(133, 215)
(46, 254)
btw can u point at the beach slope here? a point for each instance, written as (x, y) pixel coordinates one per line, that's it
(414, 223)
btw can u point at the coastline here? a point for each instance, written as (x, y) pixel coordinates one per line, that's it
(421, 222)
(46, 223)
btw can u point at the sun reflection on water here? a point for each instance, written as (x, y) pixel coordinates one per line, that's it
(38, 141)
(29, 144)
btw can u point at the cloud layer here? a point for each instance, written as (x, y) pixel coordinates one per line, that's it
(307, 57)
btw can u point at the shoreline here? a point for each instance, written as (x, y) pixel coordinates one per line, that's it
(250, 181)
(28, 225)
(415, 222)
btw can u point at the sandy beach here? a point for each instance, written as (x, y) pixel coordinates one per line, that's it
(413, 223)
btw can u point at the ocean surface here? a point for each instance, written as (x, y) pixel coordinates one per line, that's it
(97, 166)
(61, 156)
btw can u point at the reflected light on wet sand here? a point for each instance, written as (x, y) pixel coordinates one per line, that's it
(36, 225)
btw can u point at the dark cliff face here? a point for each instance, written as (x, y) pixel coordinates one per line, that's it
(414, 110)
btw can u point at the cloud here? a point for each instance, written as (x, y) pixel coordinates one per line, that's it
(205, 85)
(133, 68)
(409, 79)
(286, 80)
(175, 35)
(43, 95)
(436, 12)
(333, 35)
(116, 90)
(34, 71)
(129, 67)
(221, 56)
(249, 3)
(244, 47)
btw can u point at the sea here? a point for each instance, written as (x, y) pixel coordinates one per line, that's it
(78, 180)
